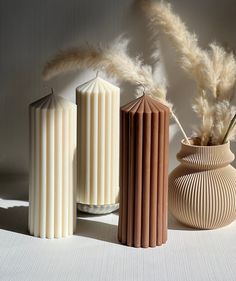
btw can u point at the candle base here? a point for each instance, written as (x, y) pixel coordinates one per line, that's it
(98, 209)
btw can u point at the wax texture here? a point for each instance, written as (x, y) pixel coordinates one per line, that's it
(144, 173)
(98, 142)
(53, 173)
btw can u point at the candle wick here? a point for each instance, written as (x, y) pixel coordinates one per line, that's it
(97, 74)
(144, 88)
(52, 91)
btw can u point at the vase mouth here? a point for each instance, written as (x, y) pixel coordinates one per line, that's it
(192, 144)
(205, 157)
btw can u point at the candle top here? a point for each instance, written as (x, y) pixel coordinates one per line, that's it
(145, 104)
(96, 86)
(52, 101)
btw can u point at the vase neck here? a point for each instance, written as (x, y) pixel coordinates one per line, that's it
(205, 157)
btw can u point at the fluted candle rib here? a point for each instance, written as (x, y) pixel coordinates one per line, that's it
(52, 167)
(98, 143)
(144, 173)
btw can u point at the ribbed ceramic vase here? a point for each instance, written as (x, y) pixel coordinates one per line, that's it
(202, 189)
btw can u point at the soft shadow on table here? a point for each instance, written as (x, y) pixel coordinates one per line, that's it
(96, 229)
(87, 215)
(14, 187)
(174, 224)
(14, 219)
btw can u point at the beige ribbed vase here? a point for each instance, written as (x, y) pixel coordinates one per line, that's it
(202, 189)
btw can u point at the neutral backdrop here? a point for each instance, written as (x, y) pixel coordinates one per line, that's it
(32, 31)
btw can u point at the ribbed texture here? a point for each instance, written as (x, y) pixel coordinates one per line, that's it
(144, 173)
(52, 167)
(202, 190)
(98, 142)
(98, 209)
(205, 157)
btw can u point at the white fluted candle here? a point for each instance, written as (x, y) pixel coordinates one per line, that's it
(98, 146)
(53, 169)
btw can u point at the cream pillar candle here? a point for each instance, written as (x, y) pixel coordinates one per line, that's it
(98, 146)
(52, 208)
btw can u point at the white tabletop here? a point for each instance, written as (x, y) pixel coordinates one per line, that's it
(94, 253)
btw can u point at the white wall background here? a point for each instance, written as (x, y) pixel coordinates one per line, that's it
(32, 31)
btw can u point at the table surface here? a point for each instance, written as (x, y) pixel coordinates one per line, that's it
(94, 253)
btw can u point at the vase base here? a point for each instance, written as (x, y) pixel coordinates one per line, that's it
(199, 225)
(98, 209)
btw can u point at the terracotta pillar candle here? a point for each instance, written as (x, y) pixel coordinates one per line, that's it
(144, 173)
(98, 146)
(52, 167)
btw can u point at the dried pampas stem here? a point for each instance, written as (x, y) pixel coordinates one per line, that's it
(192, 58)
(180, 126)
(230, 128)
(214, 70)
(116, 63)
(113, 60)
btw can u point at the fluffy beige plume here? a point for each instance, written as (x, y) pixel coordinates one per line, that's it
(68, 60)
(193, 59)
(224, 114)
(113, 60)
(214, 70)
(116, 63)
(217, 56)
(227, 77)
(205, 111)
(223, 72)
(207, 68)
(224, 68)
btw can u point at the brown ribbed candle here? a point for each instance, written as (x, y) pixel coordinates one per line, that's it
(144, 173)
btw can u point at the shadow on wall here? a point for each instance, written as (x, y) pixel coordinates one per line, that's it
(213, 26)
(32, 33)
(14, 186)
(35, 30)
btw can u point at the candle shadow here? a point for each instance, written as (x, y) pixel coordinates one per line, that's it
(97, 230)
(174, 224)
(87, 215)
(13, 197)
(14, 219)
